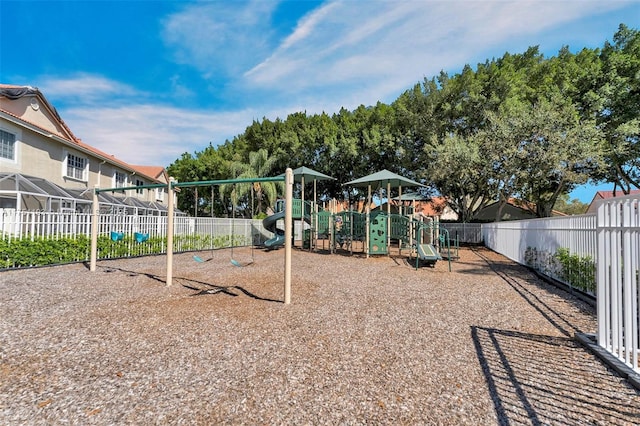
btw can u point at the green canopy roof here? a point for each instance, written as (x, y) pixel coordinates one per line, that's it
(382, 178)
(308, 175)
(411, 196)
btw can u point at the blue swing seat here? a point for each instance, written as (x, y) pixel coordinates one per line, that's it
(140, 238)
(117, 236)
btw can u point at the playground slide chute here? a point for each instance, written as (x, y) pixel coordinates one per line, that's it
(269, 224)
(428, 253)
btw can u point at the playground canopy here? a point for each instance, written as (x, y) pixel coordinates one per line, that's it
(303, 173)
(383, 177)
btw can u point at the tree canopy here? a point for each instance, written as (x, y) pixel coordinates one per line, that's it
(519, 126)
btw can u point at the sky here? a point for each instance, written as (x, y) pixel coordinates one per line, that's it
(149, 80)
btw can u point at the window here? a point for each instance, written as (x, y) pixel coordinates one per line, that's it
(139, 183)
(120, 180)
(160, 194)
(8, 203)
(7, 145)
(76, 167)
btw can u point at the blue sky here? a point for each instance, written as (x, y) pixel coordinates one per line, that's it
(149, 80)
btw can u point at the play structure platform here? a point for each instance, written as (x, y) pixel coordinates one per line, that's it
(375, 232)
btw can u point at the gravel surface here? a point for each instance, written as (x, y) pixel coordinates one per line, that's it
(364, 341)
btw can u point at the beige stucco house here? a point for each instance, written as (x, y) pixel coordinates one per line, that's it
(605, 195)
(44, 166)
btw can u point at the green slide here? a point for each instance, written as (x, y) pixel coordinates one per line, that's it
(269, 224)
(428, 254)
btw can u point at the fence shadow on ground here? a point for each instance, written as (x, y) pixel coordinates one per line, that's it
(536, 379)
(541, 379)
(201, 288)
(550, 380)
(513, 274)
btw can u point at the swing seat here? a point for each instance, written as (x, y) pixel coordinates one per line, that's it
(141, 238)
(240, 265)
(117, 236)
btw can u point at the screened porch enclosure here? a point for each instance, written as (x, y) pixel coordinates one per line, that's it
(28, 193)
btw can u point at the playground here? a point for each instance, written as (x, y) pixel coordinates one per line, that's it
(365, 341)
(368, 230)
(375, 230)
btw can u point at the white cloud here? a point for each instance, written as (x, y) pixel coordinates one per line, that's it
(86, 88)
(220, 37)
(130, 125)
(153, 134)
(374, 50)
(307, 25)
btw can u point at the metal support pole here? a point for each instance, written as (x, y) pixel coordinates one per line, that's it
(94, 230)
(170, 214)
(288, 222)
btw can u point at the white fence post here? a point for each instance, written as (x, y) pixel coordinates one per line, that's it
(618, 270)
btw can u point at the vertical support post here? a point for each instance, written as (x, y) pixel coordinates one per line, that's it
(388, 217)
(303, 210)
(367, 225)
(94, 229)
(288, 222)
(602, 270)
(314, 218)
(627, 279)
(170, 213)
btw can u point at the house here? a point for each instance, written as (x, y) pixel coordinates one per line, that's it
(513, 209)
(425, 206)
(44, 166)
(602, 195)
(436, 207)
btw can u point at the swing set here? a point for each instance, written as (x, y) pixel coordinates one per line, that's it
(233, 261)
(172, 186)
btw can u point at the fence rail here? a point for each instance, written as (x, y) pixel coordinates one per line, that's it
(119, 235)
(464, 233)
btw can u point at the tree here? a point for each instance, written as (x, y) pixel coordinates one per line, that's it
(458, 169)
(572, 207)
(556, 152)
(619, 116)
(260, 165)
(518, 126)
(208, 164)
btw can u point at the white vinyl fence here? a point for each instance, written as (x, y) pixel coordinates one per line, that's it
(618, 269)
(563, 248)
(120, 235)
(15, 224)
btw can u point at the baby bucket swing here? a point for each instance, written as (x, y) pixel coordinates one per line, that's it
(234, 262)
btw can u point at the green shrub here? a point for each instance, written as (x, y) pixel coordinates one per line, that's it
(579, 272)
(41, 251)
